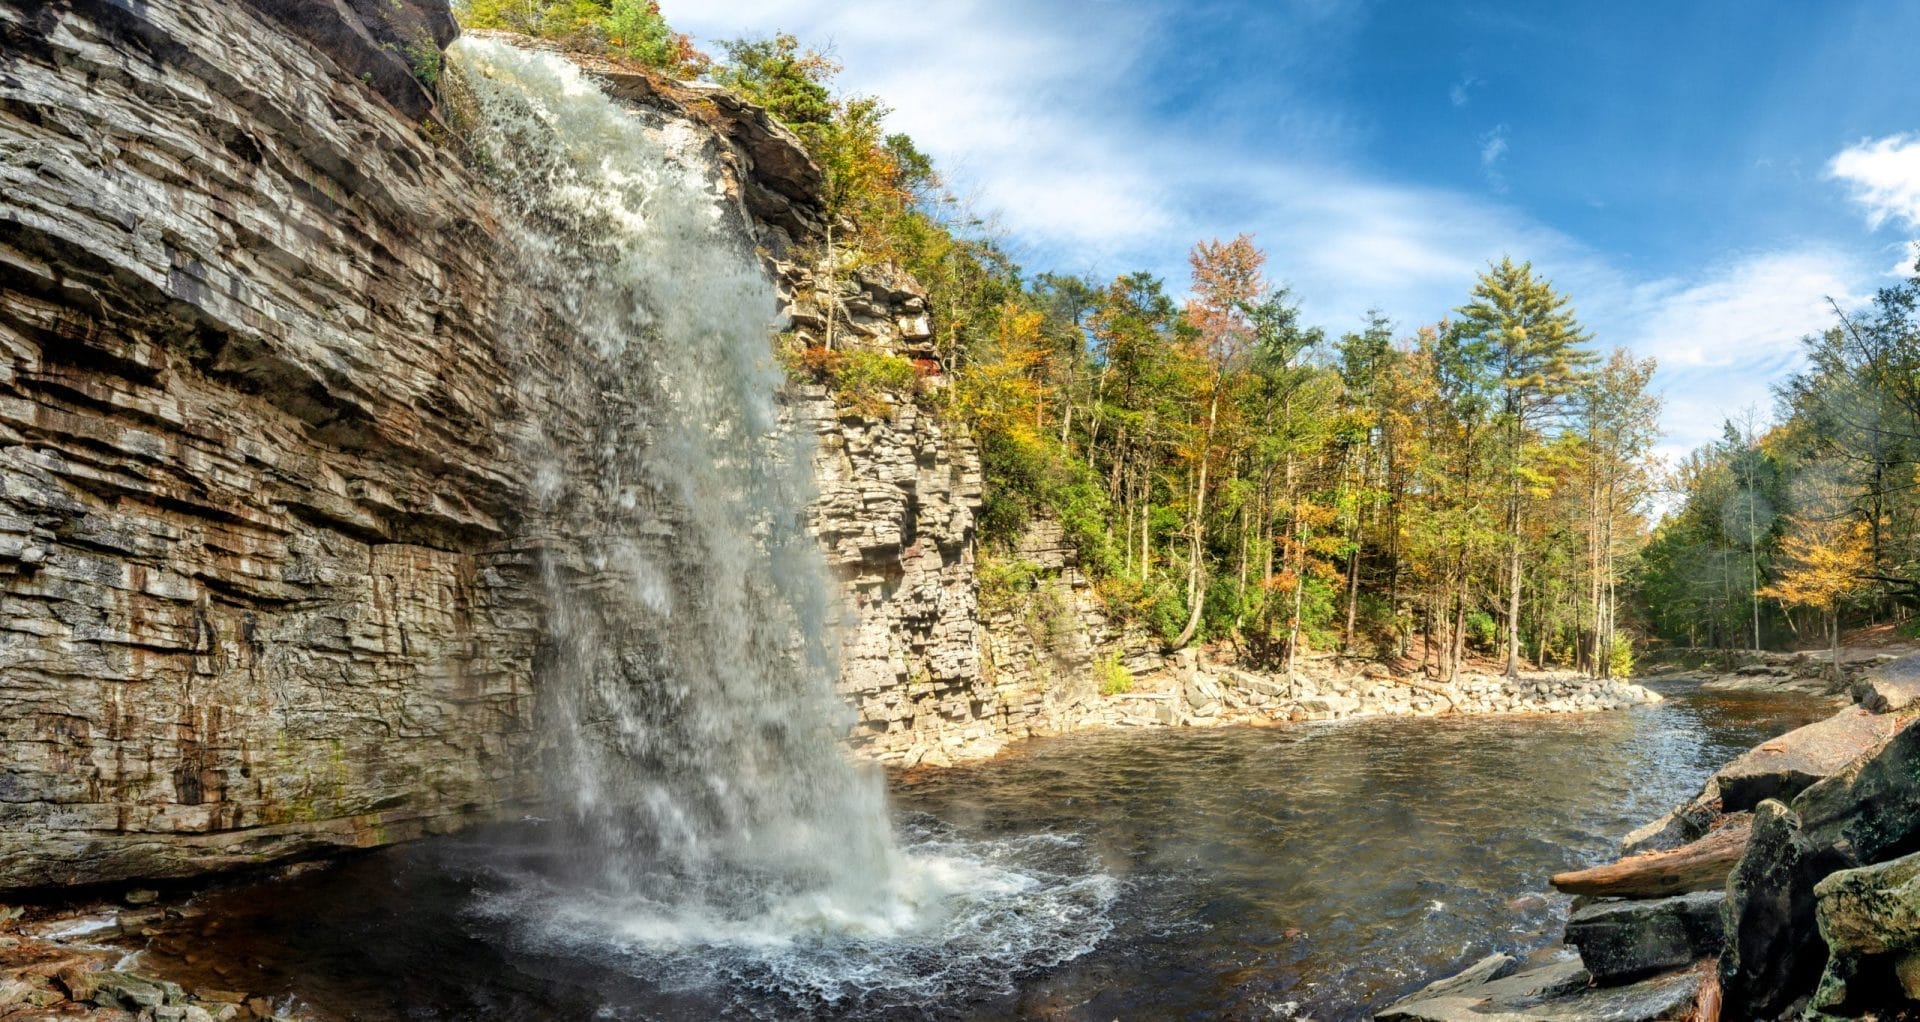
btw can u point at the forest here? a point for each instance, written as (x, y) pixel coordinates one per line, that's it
(1482, 484)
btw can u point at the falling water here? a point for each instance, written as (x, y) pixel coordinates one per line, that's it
(712, 815)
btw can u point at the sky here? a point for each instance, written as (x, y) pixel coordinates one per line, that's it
(1700, 178)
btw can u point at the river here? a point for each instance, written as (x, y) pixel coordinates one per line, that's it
(1314, 871)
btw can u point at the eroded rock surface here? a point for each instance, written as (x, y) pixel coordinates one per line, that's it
(259, 591)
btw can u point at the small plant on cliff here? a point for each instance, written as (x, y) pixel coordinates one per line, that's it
(861, 380)
(1004, 584)
(424, 58)
(632, 30)
(1115, 679)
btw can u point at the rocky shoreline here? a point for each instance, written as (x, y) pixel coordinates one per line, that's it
(1789, 887)
(1193, 691)
(59, 964)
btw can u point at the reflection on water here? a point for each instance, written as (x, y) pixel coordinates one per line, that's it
(1312, 871)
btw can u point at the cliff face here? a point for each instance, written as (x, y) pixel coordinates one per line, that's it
(268, 573)
(257, 514)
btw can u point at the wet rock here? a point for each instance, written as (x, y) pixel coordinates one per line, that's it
(1556, 991)
(1678, 826)
(1870, 810)
(1785, 766)
(1891, 686)
(141, 896)
(1623, 940)
(1771, 955)
(1458, 997)
(124, 989)
(1492, 967)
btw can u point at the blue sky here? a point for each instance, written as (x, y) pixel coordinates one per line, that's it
(1698, 177)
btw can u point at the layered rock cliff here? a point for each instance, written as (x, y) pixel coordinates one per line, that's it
(267, 559)
(257, 511)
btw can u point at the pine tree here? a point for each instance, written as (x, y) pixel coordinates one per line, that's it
(1523, 335)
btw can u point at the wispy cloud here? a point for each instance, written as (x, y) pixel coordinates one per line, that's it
(1461, 93)
(1884, 174)
(1493, 149)
(1724, 336)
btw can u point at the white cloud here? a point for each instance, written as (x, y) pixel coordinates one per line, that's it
(1725, 336)
(1755, 308)
(1885, 176)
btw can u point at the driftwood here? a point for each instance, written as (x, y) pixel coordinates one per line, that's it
(1706, 1004)
(1700, 866)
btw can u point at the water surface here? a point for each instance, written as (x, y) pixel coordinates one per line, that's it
(1244, 873)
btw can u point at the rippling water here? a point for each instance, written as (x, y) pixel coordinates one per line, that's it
(1300, 872)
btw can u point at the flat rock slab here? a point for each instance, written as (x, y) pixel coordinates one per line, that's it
(1556, 991)
(1787, 765)
(1891, 686)
(1870, 810)
(1622, 940)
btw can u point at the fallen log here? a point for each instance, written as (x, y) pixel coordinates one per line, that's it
(1700, 866)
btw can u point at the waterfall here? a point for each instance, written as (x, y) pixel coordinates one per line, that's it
(696, 745)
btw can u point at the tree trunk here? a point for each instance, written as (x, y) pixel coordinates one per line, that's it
(1195, 596)
(1700, 866)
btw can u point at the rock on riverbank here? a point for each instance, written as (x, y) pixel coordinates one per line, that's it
(1812, 911)
(1194, 692)
(55, 965)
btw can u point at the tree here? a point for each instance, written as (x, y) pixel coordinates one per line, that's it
(1827, 561)
(1227, 281)
(1527, 341)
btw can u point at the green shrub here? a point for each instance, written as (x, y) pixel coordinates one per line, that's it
(1005, 584)
(424, 58)
(1622, 656)
(864, 379)
(1482, 633)
(631, 30)
(1115, 679)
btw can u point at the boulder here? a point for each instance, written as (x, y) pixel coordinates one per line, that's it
(1870, 810)
(1891, 686)
(1870, 918)
(1771, 955)
(1872, 909)
(1623, 940)
(1458, 997)
(1332, 704)
(1787, 765)
(1492, 967)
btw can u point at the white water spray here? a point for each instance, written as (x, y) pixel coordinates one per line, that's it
(698, 737)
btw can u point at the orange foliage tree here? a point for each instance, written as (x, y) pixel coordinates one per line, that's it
(1827, 560)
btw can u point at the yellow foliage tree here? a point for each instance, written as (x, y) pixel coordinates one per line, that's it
(1827, 560)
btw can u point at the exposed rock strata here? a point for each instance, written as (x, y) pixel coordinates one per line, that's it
(259, 589)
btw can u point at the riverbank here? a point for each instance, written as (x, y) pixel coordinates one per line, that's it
(1788, 886)
(1197, 692)
(59, 963)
